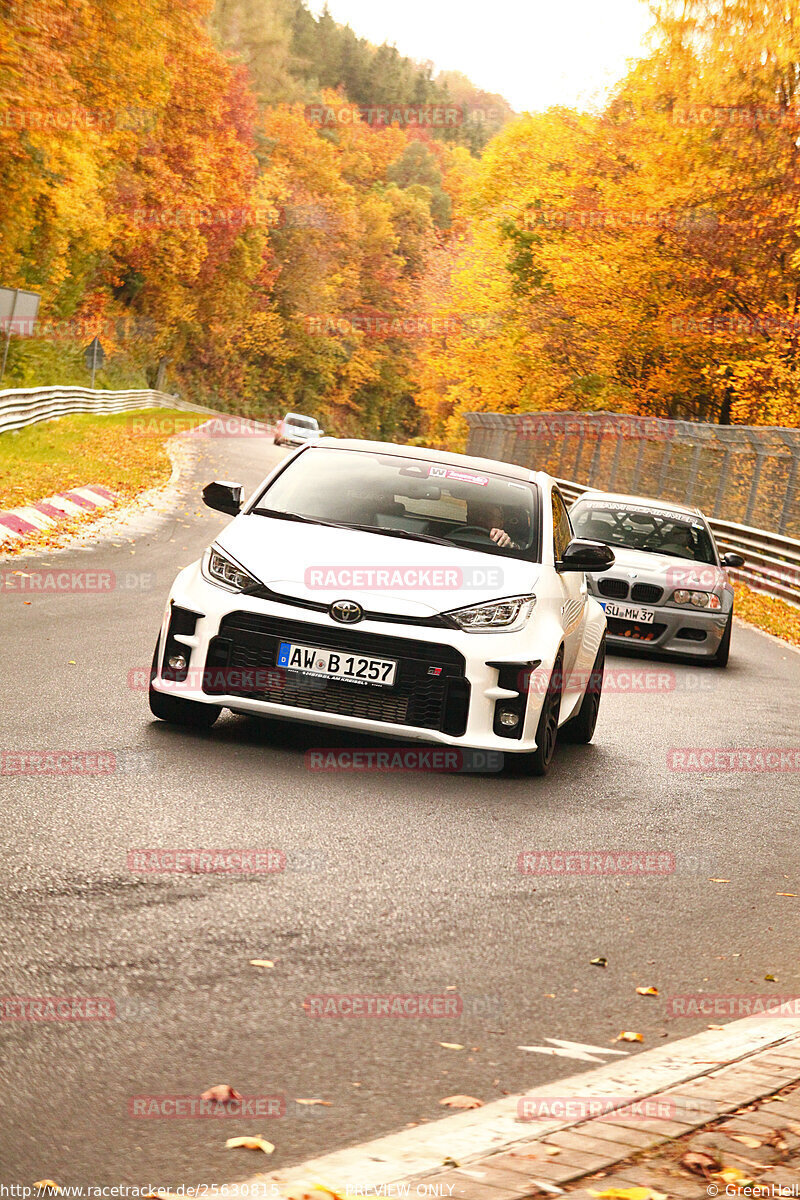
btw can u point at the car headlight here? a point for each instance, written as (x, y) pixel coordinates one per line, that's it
(497, 616)
(220, 569)
(697, 599)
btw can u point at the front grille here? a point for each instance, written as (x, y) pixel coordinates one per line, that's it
(648, 592)
(634, 630)
(617, 588)
(247, 643)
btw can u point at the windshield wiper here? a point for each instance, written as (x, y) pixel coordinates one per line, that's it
(401, 533)
(287, 516)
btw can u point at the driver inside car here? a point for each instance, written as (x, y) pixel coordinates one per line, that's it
(679, 542)
(490, 517)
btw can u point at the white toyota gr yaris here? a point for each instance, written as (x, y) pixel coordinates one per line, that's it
(398, 591)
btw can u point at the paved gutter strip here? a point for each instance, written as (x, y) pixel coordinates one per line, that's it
(716, 1071)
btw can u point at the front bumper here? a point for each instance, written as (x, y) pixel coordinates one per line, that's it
(446, 691)
(684, 631)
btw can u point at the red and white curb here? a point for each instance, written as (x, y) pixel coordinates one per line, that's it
(19, 523)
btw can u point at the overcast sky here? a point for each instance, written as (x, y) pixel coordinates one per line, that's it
(534, 52)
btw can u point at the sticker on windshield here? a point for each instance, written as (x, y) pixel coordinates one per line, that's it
(455, 473)
(669, 514)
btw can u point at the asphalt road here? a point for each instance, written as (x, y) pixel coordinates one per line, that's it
(401, 883)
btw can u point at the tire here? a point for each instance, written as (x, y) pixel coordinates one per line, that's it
(580, 728)
(722, 655)
(538, 761)
(177, 711)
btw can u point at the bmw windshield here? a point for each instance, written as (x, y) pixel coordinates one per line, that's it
(640, 527)
(415, 498)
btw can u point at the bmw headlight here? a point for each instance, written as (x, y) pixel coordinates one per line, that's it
(696, 599)
(220, 569)
(497, 616)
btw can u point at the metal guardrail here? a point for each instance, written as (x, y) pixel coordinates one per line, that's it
(772, 562)
(20, 407)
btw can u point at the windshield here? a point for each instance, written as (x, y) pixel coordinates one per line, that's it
(412, 497)
(300, 422)
(656, 530)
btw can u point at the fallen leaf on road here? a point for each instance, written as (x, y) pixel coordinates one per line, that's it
(627, 1036)
(647, 991)
(461, 1102)
(261, 962)
(746, 1139)
(699, 1163)
(777, 893)
(598, 962)
(44, 1185)
(221, 1092)
(249, 1143)
(733, 1175)
(717, 1027)
(792, 1126)
(719, 881)
(776, 1139)
(631, 1193)
(327, 1103)
(451, 1046)
(770, 979)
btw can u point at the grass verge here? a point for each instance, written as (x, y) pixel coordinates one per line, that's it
(767, 613)
(125, 452)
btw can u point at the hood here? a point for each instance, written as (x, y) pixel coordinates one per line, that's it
(664, 569)
(315, 562)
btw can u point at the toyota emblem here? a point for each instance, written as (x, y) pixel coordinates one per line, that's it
(347, 612)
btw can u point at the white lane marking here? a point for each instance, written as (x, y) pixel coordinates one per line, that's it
(580, 1050)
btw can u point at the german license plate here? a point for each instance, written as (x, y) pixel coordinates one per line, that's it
(337, 664)
(628, 612)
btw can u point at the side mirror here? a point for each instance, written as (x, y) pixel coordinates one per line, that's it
(731, 559)
(224, 497)
(584, 555)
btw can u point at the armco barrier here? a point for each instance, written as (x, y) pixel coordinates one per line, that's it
(772, 562)
(27, 406)
(598, 444)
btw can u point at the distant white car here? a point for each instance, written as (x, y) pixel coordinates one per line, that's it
(296, 430)
(668, 589)
(396, 591)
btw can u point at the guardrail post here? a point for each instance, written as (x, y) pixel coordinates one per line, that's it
(662, 475)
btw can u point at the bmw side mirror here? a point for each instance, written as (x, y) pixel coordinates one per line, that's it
(584, 555)
(732, 560)
(224, 497)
